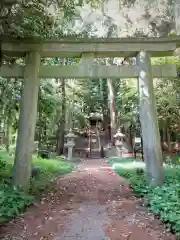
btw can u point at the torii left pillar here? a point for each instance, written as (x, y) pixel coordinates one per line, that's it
(27, 121)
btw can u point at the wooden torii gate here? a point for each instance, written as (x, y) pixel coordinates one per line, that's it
(87, 49)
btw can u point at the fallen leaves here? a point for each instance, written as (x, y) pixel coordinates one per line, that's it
(50, 215)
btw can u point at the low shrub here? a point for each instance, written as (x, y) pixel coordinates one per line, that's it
(13, 201)
(164, 201)
(49, 170)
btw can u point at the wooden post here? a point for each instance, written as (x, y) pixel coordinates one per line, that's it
(149, 122)
(27, 121)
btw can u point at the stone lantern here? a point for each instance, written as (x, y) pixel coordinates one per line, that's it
(70, 143)
(119, 137)
(93, 139)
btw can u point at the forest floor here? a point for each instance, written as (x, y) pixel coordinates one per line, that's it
(91, 203)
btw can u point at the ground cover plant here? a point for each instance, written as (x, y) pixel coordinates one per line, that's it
(163, 201)
(13, 201)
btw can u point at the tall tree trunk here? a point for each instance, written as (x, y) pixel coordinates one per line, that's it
(164, 136)
(45, 131)
(40, 133)
(112, 107)
(168, 140)
(104, 106)
(61, 125)
(8, 133)
(40, 122)
(130, 139)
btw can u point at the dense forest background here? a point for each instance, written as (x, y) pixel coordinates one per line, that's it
(66, 103)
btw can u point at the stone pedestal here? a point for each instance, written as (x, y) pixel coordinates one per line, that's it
(119, 143)
(70, 144)
(119, 148)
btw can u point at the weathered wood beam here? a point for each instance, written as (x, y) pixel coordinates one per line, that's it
(87, 59)
(166, 70)
(86, 63)
(72, 39)
(76, 47)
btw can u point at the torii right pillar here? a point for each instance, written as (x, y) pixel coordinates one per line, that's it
(149, 122)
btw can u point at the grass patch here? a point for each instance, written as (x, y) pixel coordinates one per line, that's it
(127, 163)
(13, 201)
(175, 159)
(5, 157)
(163, 201)
(49, 170)
(122, 160)
(53, 166)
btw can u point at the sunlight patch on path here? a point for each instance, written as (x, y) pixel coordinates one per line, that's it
(96, 168)
(131, 165)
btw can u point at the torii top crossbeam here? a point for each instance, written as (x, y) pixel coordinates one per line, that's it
(103, 47)
(143, 48)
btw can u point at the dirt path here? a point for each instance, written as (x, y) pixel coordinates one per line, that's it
(91, 203)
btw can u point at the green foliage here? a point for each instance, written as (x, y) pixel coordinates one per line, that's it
(50, 169)
(41, 19)
(163, 201)
(5, 168)
(13, 201)
(173, 160)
